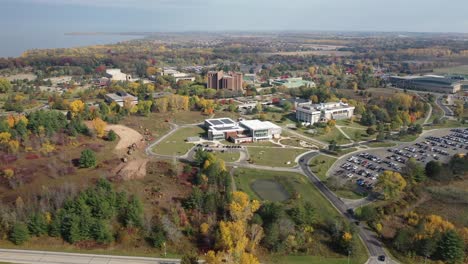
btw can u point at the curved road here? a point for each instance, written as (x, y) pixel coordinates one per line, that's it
(369, 238)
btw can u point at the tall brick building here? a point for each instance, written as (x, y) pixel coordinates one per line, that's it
(221, 80)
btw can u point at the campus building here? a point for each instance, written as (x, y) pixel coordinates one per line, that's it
(118, 75)
(120, 98)
(220, 80)
(178, 76)
(429, 83)
(312, 113)
(242, 131)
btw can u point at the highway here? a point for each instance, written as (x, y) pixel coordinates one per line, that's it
(41, 257)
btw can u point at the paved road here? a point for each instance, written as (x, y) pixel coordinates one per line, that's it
(447, 111)
(41, 257)
(369, 238)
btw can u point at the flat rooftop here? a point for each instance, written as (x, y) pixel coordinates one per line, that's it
(221, 122)
(258, 125)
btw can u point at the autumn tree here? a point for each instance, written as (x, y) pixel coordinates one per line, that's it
(100, 127)
(5, 85)
(391, 184)
(77, 107)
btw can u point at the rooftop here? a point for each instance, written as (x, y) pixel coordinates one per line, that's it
(257, 124)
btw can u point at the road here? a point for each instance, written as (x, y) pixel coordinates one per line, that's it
(41, 257)
(369, 238)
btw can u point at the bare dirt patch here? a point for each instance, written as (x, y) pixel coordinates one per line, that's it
(135, 169)
(127, 136)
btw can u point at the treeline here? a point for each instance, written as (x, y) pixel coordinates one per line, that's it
(95, 214)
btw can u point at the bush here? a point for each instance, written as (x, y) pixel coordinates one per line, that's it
(111, 136)
(19, 233)
(87, 159)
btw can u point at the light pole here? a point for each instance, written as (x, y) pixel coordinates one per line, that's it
(165, 252)
(349, 252)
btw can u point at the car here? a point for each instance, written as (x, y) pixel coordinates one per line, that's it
(381, 258)
(301, 160)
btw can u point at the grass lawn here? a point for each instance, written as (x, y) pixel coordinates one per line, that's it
(297, 183)
(320, 165)
(334, 134)
(381, 144)
(274, 157)
(348, 123)
(292, 182)
(228, 156)
(345, 151)
(349, 194)
(407, 138)
(447, 124)
(357, 134)
(175, 144)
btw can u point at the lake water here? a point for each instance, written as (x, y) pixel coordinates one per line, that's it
(14, 44)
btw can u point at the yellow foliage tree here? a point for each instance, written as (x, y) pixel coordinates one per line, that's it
(4, 137)
(241, 208)
(391, 184)
(13, 145)
(99, 127)
(434, 224)
(204, 228)
(347, 236)
(77, 107)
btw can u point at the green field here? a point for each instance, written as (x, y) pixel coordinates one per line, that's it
(381, 144)
(348, 123)
(292, 182)
(228, 156)
(334, 134)
(357, 134)
(274, 157)
(320, 165)
(175, 144)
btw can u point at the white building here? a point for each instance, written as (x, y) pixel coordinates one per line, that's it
(312, 113)
(118, 75)
(179, 76)
(120, 98)
(240, 132)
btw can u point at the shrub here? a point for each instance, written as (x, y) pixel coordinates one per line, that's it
(111, 136)
(87, 159)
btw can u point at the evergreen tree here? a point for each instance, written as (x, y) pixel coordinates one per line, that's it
(111, 136)
(133, 212)
(87, 159)
(19, 233)
(101, 232)
(451, 247)
(37, 225)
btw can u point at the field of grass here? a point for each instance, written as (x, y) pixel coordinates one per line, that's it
(381, 144)
(348, 123)
(448, 124)
(320, 165)
(274, 157)
(334, 134)
(462, 69)
(292, 182)
(357, 134)
(228, 156)
(299, 184)
(175, 144)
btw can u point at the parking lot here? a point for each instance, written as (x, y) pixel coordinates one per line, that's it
(364, 168)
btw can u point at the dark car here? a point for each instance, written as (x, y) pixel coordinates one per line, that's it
(301, 160)
(381, 258)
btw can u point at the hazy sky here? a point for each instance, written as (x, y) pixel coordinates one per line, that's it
(219, 15)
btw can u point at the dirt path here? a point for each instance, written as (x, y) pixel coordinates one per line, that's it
(127, 136)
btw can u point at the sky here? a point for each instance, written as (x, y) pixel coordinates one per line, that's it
(232, 15)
